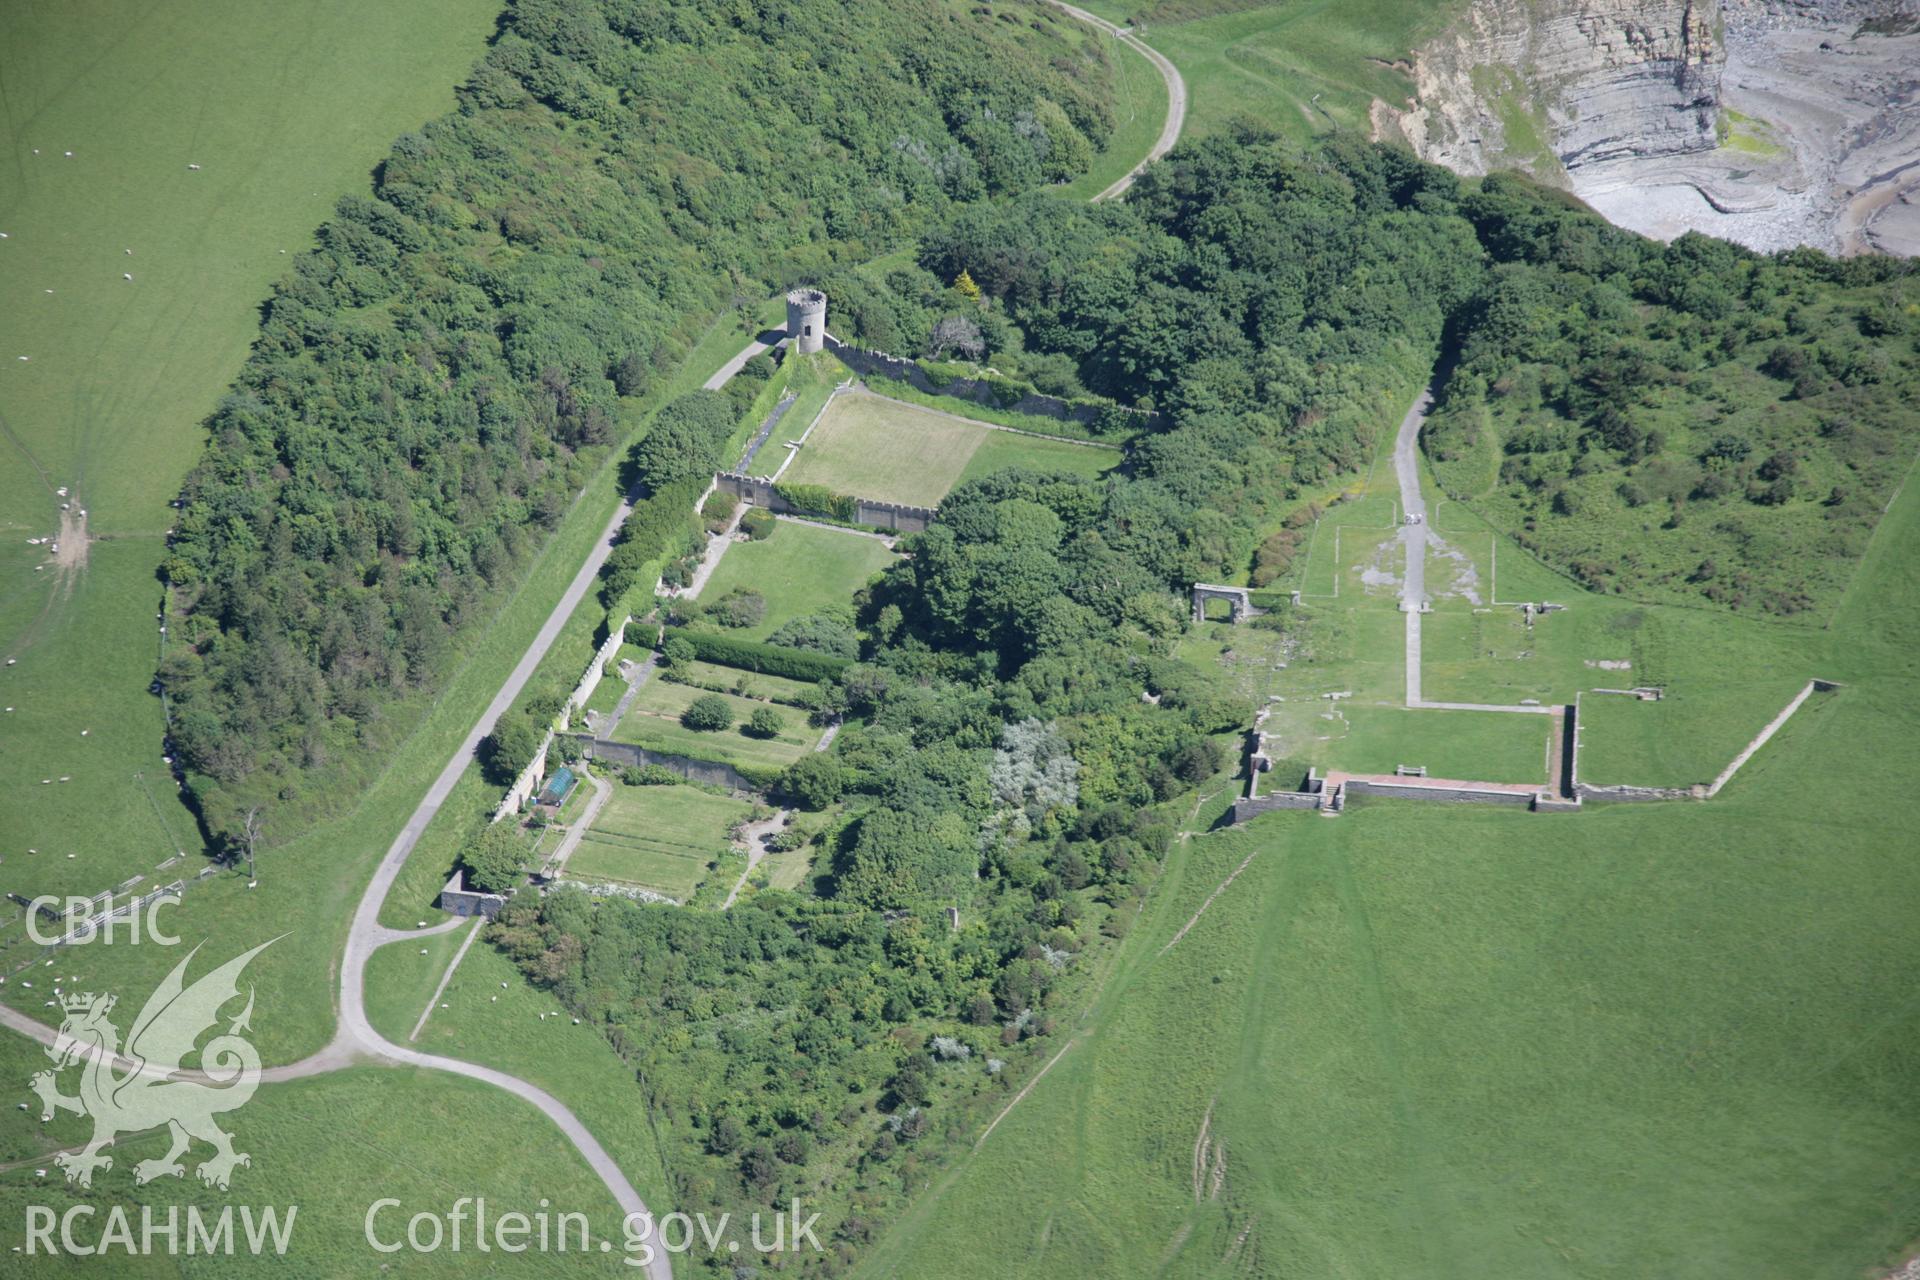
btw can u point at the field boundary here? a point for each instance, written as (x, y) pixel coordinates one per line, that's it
(1766, 733)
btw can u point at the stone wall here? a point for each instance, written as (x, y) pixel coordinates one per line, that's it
(596, 671)
(977, 390)
(627, 755)
(1357, 788)
(462, 901)
(893, 515)
(1588, 791)
(1247, 807)
(528, 782)
(867, 511)
(1568, 783)
(751, 489)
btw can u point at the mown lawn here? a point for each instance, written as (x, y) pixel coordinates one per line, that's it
(871, 447)
(800, 570)
(1478, 746)
(654, 721)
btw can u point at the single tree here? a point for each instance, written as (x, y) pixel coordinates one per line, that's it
(708, 713)
(496, 858)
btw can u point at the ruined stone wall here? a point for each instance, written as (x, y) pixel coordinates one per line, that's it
(462, 901)
(1248, 807)
(1357, 788)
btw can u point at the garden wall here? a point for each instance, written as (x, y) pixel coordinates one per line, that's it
(980, 391)
(596, 671)
(1252, 806)
(627, 755)
(867, 511)
(528, 782)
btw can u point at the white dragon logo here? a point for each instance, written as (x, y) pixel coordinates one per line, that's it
(143, 1086)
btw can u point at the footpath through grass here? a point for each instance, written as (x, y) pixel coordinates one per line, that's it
(1302, 68)
(1140, 111)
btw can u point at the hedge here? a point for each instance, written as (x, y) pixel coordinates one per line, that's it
(658, 524)
(817, 500)
(766, 659)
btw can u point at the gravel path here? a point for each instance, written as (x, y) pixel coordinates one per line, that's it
(1413, 534)
(1176, 94)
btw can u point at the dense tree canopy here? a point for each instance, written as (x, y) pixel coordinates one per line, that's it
(433, 383)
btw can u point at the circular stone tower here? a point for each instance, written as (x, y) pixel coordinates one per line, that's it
(806, 320)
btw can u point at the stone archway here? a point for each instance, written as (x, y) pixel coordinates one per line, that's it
(1239, 598)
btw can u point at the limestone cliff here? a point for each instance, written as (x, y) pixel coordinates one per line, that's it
(1771, 122)
(1550, 85)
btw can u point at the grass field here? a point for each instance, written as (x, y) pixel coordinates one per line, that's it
(801, 569)
(313, 881)
(1643, 1040)
(328, 1147)
(284, 114)
(657, 837)
(1724, 678)
(653, 721)
(872, 447)
(500, 1025)
(1480, 746)
(1302, 68)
